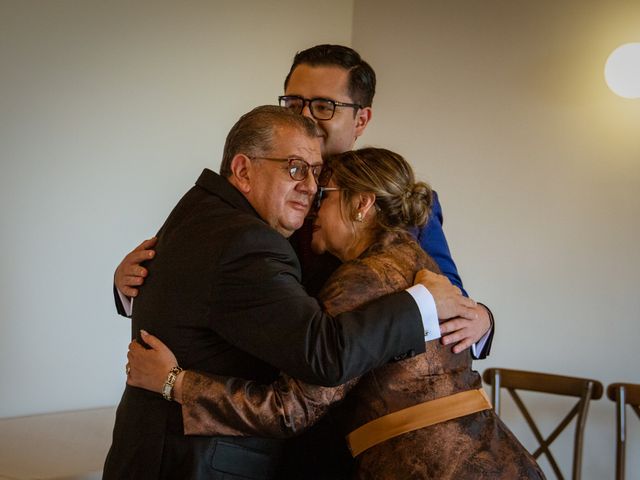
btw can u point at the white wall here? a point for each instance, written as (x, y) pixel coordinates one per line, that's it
(108, 113)
(502, 105)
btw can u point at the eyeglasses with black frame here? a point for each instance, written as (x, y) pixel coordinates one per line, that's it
(320, 195)
(299, 169)
(320, 108)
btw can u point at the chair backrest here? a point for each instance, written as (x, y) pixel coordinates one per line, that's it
(623, 394)
(583, 388)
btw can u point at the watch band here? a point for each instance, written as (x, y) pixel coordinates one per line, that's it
(167, 388)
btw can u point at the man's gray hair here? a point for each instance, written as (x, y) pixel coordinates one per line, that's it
(253, 134)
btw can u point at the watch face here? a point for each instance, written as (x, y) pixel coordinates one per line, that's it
(166, 391)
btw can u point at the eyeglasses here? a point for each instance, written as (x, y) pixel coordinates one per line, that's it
(299, 169)
(321, 193)
(320, 108)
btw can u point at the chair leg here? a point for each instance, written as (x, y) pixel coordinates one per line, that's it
(580, 426)
(495, 391)
(621, 432)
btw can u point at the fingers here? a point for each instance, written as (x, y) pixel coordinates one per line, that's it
(484, 319)
(454, 337)
(127, 291)
(464, 307)
(451, 326)
(467, 313)
(147, 244)
(131, 280)
(462, 332)
(456, 330)
(460, 340)
(455, 308)
(154, 342)
(133, 352)
(130, 265)
(448, 298)
(467, 302)
(135, 346)
(135, 357)
(130, 273)
(127, 283)
(134, 281)
(462, 346)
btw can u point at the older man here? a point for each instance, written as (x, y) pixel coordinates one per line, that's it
(225, 296)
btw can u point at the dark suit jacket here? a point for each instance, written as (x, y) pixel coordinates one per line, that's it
(224, 294)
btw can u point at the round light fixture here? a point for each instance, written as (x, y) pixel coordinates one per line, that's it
(622, 70)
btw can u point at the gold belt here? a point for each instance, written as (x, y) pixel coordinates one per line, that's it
(415, 417)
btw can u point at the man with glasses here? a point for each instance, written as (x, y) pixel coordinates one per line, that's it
(226, 297)
(334, 86)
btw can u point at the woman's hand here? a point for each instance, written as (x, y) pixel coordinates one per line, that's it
(149, 367)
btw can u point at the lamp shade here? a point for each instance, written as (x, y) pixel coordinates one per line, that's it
(622, 70)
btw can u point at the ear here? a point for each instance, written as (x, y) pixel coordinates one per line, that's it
(363, 117)
(241, 173)
(364, 203)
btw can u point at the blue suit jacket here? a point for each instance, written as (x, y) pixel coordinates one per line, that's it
(432, 240)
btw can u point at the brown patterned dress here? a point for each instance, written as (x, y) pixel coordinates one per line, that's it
(477, 446)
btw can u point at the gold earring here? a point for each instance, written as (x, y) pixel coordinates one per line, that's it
(359, 217)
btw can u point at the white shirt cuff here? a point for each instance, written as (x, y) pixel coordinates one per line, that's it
(427, 306)
(477, 347)
(127, 303)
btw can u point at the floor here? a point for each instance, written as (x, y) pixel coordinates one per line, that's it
(56, 446)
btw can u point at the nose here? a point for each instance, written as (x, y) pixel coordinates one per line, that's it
(309, 184)
(306, 110)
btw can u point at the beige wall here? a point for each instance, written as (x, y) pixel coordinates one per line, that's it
(502, 105)
(108, 112)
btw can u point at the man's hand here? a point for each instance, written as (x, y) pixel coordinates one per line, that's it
(129, 273)
(148, 368)
(450, 302)
(465, 332)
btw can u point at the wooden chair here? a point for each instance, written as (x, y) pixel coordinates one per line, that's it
(623, 394)
(582, 388)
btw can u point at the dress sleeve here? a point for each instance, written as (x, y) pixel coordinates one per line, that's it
(217, 405)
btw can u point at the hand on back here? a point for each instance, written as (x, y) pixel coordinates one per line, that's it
(464, 322)
(130, 274)
(449, 300)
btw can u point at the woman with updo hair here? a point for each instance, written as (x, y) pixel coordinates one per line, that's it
(400, 201)
(423, 417)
